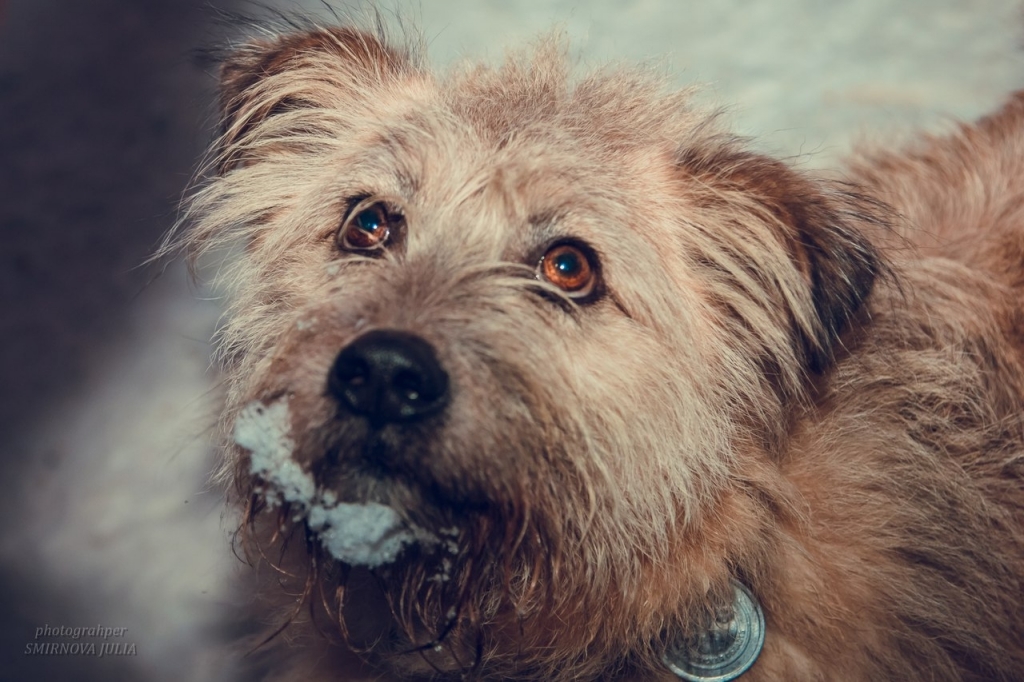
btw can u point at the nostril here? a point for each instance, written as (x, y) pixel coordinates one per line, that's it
(354, 372)
(408, 384)
(348, 378)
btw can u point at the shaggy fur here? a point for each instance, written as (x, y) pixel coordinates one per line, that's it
(780, 379)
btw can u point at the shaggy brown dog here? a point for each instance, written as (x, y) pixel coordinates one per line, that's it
(527, 371)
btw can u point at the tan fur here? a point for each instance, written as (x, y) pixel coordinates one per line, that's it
(784, 382)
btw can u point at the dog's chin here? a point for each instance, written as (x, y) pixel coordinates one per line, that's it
(408, 612)
(396, 521)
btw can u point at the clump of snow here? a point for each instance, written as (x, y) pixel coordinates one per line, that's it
(265, 432)
(452, 542)
(444, 574)
(363, 534)
(369, 534)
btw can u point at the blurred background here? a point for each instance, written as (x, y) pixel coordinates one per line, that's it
(106, 388)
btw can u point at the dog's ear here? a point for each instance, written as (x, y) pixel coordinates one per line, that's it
(316, 69)
(821, 226)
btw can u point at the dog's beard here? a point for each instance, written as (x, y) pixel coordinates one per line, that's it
(451, 559)
(440, 605)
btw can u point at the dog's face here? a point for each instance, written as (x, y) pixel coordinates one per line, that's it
(556, 328)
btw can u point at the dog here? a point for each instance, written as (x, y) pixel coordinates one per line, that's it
(540, 376)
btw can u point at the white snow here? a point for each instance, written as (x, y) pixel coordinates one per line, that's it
(369, 534)
(265, 432)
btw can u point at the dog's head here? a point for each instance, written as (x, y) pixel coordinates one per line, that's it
(523, 345)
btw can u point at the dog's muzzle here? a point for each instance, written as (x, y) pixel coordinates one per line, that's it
(389, 377)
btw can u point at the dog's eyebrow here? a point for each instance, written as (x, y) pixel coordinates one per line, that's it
(408, 184)
(394, 143)
(548, 226)
(546, 219)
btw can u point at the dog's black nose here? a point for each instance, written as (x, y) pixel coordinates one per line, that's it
(389, 377)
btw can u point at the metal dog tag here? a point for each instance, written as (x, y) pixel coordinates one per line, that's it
(727, 647)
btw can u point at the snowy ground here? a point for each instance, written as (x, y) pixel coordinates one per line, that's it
(107, 518)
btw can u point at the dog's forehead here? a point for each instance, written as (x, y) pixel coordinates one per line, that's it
(467, 153)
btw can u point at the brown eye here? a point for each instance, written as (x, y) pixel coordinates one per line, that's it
(569, 268)
(368, 226)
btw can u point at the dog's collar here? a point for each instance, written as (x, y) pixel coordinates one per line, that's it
(727, 647)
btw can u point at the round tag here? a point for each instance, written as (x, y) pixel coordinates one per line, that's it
(727, 647)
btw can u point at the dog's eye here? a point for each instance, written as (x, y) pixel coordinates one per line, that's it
(570, 268)
(368, 227)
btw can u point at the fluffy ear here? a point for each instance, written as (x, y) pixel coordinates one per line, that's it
(841, 263)
(316, 69)
(820, 226)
